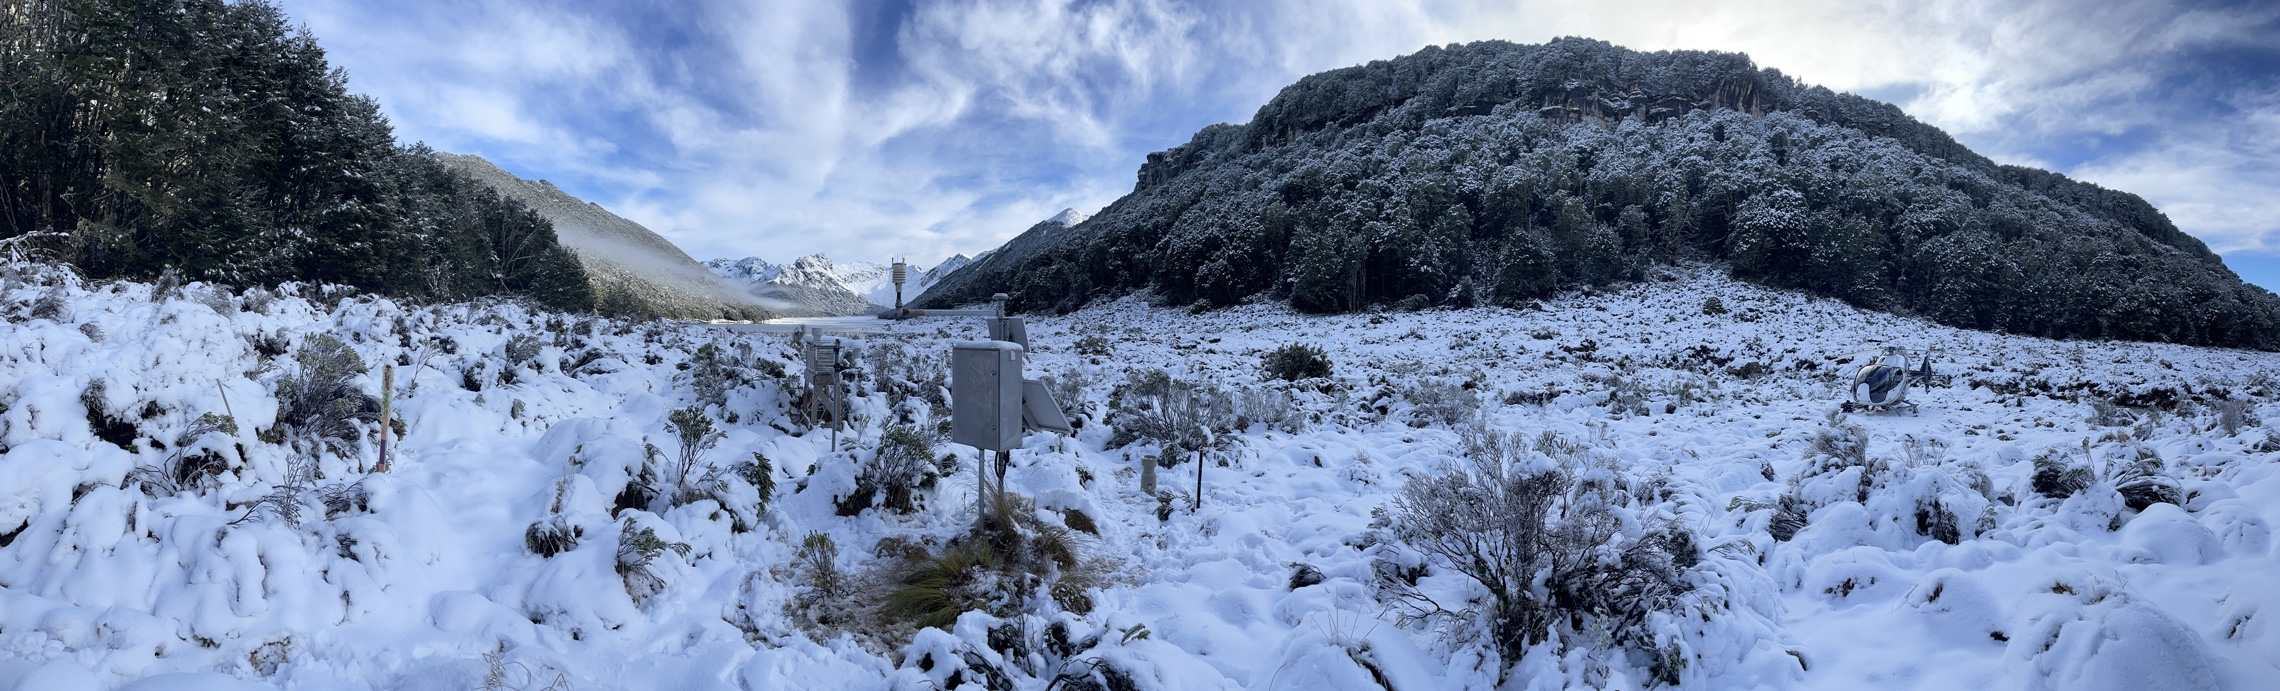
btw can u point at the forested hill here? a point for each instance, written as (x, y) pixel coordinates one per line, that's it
(1497, 173)
(213, 139)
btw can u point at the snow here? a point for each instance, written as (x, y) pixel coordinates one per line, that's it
(426, 583)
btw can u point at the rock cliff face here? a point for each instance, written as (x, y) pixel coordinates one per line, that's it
(633, 270)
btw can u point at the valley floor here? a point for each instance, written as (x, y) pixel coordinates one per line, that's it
(421, 578)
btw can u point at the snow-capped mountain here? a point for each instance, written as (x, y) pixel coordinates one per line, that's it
(816, 281)
(834, 287)
(935, 275)
(749, 271)
(1069, 218)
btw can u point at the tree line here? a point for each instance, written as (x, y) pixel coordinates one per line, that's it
(212, 138)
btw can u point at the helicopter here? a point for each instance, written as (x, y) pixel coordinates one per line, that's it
(1882, 384)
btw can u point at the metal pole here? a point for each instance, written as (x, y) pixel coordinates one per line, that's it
(1198, 483)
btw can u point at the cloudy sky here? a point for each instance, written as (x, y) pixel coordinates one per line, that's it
(923, 128)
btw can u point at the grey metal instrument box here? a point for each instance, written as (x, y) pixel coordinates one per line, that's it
(985, 395)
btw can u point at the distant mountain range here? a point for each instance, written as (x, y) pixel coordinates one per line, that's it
(829, 288)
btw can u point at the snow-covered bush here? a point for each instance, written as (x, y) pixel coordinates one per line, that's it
(2104, 413)
(1442, 402)
(2143, 480)
(521, 349)
(2234, 415)
(903, 463)
(320, 406)
(1296, 361)
(201, 453)
(1184, 416)
(1094, 345)
(1270, 406)
(2057, 478)
(2134, 471)
(551, 536)
(1561, 549)
(712, 374)
(694, 430)
(637, 552)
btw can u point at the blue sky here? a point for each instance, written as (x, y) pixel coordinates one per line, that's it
(923, 128)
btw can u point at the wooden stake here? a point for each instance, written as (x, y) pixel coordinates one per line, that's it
(387, 397)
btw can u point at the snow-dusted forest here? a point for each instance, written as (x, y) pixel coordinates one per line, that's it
(1641, 487)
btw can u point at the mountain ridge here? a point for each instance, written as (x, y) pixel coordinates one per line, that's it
(633, 269)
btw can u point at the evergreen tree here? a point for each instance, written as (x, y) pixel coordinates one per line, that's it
(212, 138)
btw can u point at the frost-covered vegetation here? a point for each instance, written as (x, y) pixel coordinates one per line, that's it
(1609, 490)
(1501, 173)
(210, 140)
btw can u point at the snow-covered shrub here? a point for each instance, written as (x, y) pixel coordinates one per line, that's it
(903, 463)
(1184, 416)
(1561, 549)
(1270, 406)
(2104, 413)
(935, 588)
(2143, 480)
(49, 305)
(2057, 478)
(258, 300)
(107, 427)
(1442, 402)
(521, 349)
(712, 374)
(759, 473)
(1626, 397)
(552, 535)
(637, 552)
(1094, 345)
(320, 405)
(1713, 306)
(2138, 475)
(694, 430)
(2233, 416)
(1296, 361)
(903, 373)
(215, 298)
(1068, 386)
(195, 460)
(819, 565)
(163, 287)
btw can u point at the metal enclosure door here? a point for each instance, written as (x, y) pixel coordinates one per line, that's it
(985, 396)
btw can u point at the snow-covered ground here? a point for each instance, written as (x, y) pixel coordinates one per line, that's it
(420, 578)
